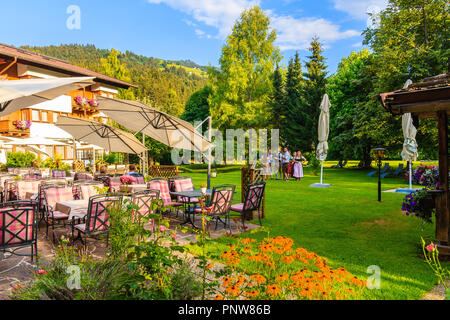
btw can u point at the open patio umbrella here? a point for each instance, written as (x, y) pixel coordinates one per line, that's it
(19, 94)
(36, 141)
(100, 134)
(323, 130)
(167, 129)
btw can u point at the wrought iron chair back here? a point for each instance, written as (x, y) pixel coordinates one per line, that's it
(221, 199)
(86, 189)
(27, 186)
(41, 197)
(18, 226)
(82, 176)
(10, 190)
(59, 174)
(183, 184)
(54, 194)
(144, 200)
(254, 196)
(162, 185)
(97, 219)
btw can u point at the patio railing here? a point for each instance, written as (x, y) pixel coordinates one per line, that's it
(163, 171)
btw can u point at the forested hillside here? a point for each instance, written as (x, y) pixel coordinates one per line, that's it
(167, 85)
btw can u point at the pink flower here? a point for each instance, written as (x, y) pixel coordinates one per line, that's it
(126, 179)
(431, 247)
(41, 272)
(175, 236)
(162, 228)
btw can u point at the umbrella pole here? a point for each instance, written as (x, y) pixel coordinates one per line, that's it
(94, 167)
(410, 174)
(144, 158)
(209, 152)
(321, 174)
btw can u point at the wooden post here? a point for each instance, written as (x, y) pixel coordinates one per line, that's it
(442, 198)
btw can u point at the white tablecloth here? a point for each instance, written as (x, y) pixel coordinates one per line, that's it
(75, 208)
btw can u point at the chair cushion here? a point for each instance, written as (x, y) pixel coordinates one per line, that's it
(57, 215)
(172, 204)
(81, 227)
(193, 200)
(237, 207)
(199, 210)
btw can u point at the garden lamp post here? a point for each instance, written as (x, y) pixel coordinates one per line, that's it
(379, 153)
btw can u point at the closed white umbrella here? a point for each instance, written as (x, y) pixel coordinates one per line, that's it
(169, 130)
(20, 94)
(101, 135)
(323, 132)
(410, 148)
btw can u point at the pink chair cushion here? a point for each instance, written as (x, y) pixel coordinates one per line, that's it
(237, 207)
(15, 229)
(57, 215)
(164, 192)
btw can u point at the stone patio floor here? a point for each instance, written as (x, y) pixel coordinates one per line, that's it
(15, 269)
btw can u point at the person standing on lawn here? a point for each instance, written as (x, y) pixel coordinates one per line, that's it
(286, 158)
(298, 166)
(270, 163)
(279, 158)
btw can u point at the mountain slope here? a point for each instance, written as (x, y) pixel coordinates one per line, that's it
(166, 85)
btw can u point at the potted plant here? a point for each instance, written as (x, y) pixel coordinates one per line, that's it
(419, 204)
(126, 181)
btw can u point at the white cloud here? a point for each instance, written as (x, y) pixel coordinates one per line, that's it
(294, 34)
(220, 14)
(358, 9)
(357, 45)
(199, 32)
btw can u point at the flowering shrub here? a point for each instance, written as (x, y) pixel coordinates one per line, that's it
(431, 255)
(415, 204)
(274, 269)
(127, 180)
(425, 176)
(82, 101)
(94, 103)
(22, 125)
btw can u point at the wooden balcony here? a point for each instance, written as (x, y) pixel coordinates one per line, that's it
(7, 128)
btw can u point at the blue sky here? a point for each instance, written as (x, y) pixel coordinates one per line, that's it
(186, 29)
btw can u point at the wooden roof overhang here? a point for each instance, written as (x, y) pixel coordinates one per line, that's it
(425, 103)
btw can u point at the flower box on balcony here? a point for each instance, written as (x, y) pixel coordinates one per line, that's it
(11, 128)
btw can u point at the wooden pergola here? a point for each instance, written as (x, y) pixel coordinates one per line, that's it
(430, 99)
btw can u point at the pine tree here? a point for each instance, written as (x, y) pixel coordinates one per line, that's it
(277, 101)
(292, 105)
(316, 80)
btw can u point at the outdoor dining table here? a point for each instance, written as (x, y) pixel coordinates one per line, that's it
(31, 196)
(76, 209)
(133, 188)
(189, 195)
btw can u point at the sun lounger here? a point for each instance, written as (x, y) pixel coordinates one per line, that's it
(337, 165)
(383, 170)
(396, 173)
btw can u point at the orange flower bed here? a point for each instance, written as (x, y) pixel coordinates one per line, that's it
(274, 269)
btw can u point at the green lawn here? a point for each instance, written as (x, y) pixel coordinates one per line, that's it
(347, 225)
